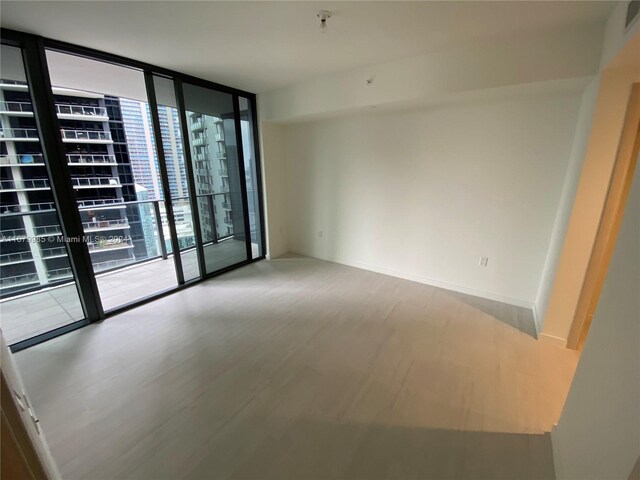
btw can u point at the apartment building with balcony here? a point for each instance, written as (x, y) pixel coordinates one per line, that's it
(211, 173)
(33, 254)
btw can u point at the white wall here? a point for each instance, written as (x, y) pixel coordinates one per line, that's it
(567, 198)
(598, 436)
(552, 57)
(423, 194)
(272, 148)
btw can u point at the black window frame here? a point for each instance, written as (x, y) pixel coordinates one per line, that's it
(34, 49)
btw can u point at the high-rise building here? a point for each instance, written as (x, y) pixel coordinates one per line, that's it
(211, 174)
(97, 153)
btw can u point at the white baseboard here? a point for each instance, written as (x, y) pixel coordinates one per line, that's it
(557, 341)
(536, 318)
(429, 281)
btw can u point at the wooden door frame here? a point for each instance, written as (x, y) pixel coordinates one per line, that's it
(610, 221)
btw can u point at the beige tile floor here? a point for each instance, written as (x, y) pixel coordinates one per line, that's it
(36, 313)
(295, 369)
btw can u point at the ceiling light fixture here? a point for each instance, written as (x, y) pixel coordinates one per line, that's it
(324, 15)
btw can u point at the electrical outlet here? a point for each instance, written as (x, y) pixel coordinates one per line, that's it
(483, 261)
(320, 233)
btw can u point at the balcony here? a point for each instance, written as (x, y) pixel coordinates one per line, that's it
(47, 231)
(221, 154)
(19, 280)
(197, 126)
(86, 136)
(108, 246)
(223, 172)
(199, 141)
(200, 156)
(219, 137)
(53, 252)
(103, 225)
(25, 160)
(141, 278)
(228, 221)
(85, 159)
(104, 204)
(13, 258)
(81, 112)
(226, 206)
(26, 208)
(96, 182)
(111, 264)
(65, 112)
(24, 185)
(13, 234)
(19, 135)
(59, 274)
(17, 109)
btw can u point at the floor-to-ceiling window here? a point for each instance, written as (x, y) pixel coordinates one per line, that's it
(37, 286)
(157, 172)
(218, 176)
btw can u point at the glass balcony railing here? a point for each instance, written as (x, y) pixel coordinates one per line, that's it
(12, 234)
(86, 135)
(18, 134)
(219, 137)
(221, 154)
(89, 111)
(19, 185)
(106, 202)
(25, 208)
(47, 230)
(117, 224)
(83, 159)
(53, 252)
(24, 159)
(112, 264)
(16, 107)
(59, 273)
(89, 182)
(19, 257)
(199, 141)
(197, 125)
(8, 107)
(18, 280)
(106, 245)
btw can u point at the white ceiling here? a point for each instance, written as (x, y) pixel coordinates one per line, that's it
(259, 46)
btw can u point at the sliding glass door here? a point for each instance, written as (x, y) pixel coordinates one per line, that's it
(217, 174)
(105, 123)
